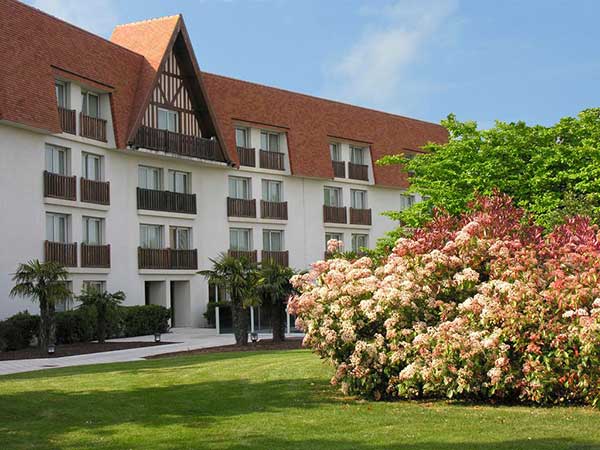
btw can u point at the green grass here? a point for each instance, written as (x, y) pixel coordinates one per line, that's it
(271, 401)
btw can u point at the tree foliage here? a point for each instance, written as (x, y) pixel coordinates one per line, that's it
(274, 289)
(104, 303)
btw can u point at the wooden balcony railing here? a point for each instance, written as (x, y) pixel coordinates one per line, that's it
(358, 171)
(360, 216)
(271, 160)
(92, 127)
(60, 186)
(67, 119)
(281, 258)
(247, 156)
(241, 207)
(167, 259)
(250, 255)
(95, 256)
(334, 214)
(92, 191)
(273, 210)
(168, 201)
(339, 169)
(60, 252)
(179, 144)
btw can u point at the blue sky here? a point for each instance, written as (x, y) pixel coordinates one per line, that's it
(530, 60)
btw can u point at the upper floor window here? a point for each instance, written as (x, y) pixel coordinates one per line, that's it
(91, 104)
(333, 196)
(359, 241)
(60, 88)
(241, 137)
(271, 191)
(179, 181)
(56, 159)
(149, 177)
(92, 230)
(239, 239)
(92, 166)
(181, 238)
(406, 201)
(239, 187)
(151, 236)
(272, 240)
(336, 151)
(358, 155)
(358, 199)
(56, 227)
(269, 141)
(168, 120)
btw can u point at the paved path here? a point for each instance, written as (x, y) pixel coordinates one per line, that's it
(186, 338)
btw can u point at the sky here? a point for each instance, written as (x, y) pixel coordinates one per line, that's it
(483, 60)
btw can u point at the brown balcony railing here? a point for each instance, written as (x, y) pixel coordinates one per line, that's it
(92, 191)
(250, 255)
(241, 207)
(334, 214)
(60, 186)
(60, 252)
(339, 169)
(92, 127)
(95, 256)
(360, 216)
(167, 259)
(247, 156)
(168, 201)
(280, 258)
(67, 120)
(358, 171)
(271, 160)
(273, 210)
(177, 143)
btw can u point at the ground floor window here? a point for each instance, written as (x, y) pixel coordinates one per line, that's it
(359, 241)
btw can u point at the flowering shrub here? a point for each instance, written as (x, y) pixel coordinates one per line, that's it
(482, 306)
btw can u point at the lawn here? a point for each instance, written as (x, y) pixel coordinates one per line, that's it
(263, 400)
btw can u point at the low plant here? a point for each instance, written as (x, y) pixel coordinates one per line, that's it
(18, 331)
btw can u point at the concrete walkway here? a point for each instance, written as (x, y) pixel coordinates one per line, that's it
(186, 338)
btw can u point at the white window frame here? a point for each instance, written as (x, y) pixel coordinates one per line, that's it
(235, 183)
(171, 118)
(268, 135)
(85, 167)
(335, 149)
(217, 292)
(144, 228)
(246, 133)
(173, 174)
(268, 190)
(268, 240)
(174, 237)
(327, 197)
(87, 221)
(329, 235)
(53, 155)
(100, 285)
(52, 221)
(356, 193)
(406, 201)
(85, 105)
(238, 231)
(354, 150)
(143, 175)
(66, 304)
(61, 101)
(356, 237)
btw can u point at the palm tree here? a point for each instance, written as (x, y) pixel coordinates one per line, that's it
(274, 288)
(45, 282)
(238, 277)
(104, 303)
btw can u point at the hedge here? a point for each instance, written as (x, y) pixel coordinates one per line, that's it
(18, 331)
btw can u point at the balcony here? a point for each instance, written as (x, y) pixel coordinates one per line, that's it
(271, 160)
(358, 171)
(334, 214)
(60, 186)
(95, 256)
(241, 207)
(280, 258)
(339, 169)
(67, 120)
(178, 144)
(273, 210)
(250, 255)
(247, 156)
(92, 191)
(92, 127)
(61, 253)
(167, 201)
(167, 259)
(360, 216)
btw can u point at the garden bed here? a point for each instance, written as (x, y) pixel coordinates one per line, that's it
(81, 348)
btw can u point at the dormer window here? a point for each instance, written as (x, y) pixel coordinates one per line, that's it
(60, 88)
(168, 120)
(336, 151)
(91, 104)
(269, 141)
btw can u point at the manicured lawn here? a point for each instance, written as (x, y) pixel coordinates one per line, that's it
(269, 400)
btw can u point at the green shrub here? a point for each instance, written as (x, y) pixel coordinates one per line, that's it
(17, 331)
(210, 314)
(145, 319)
(78, 325)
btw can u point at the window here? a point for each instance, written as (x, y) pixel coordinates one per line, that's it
(93, 230)
(272, 240)
(91, 104)
(92, 166)
(181, 238)
(168, 120)
(149, 177)
(357, 155)
(67, 303)
(358, 199)
(406, 201)
(336, 151)
(150, 236)
(56, 227)
(216, 293)
(239, 187)
(269, 141)
(359, 241)
(239, 239)
(330, 236)
(271, 191)
(56, 159)
(179, 181)
(61, 93)
(97, 285)
(241, 137)
(333, 196)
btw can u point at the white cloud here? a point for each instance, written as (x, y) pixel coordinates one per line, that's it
(97, 16)
(373, 72)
